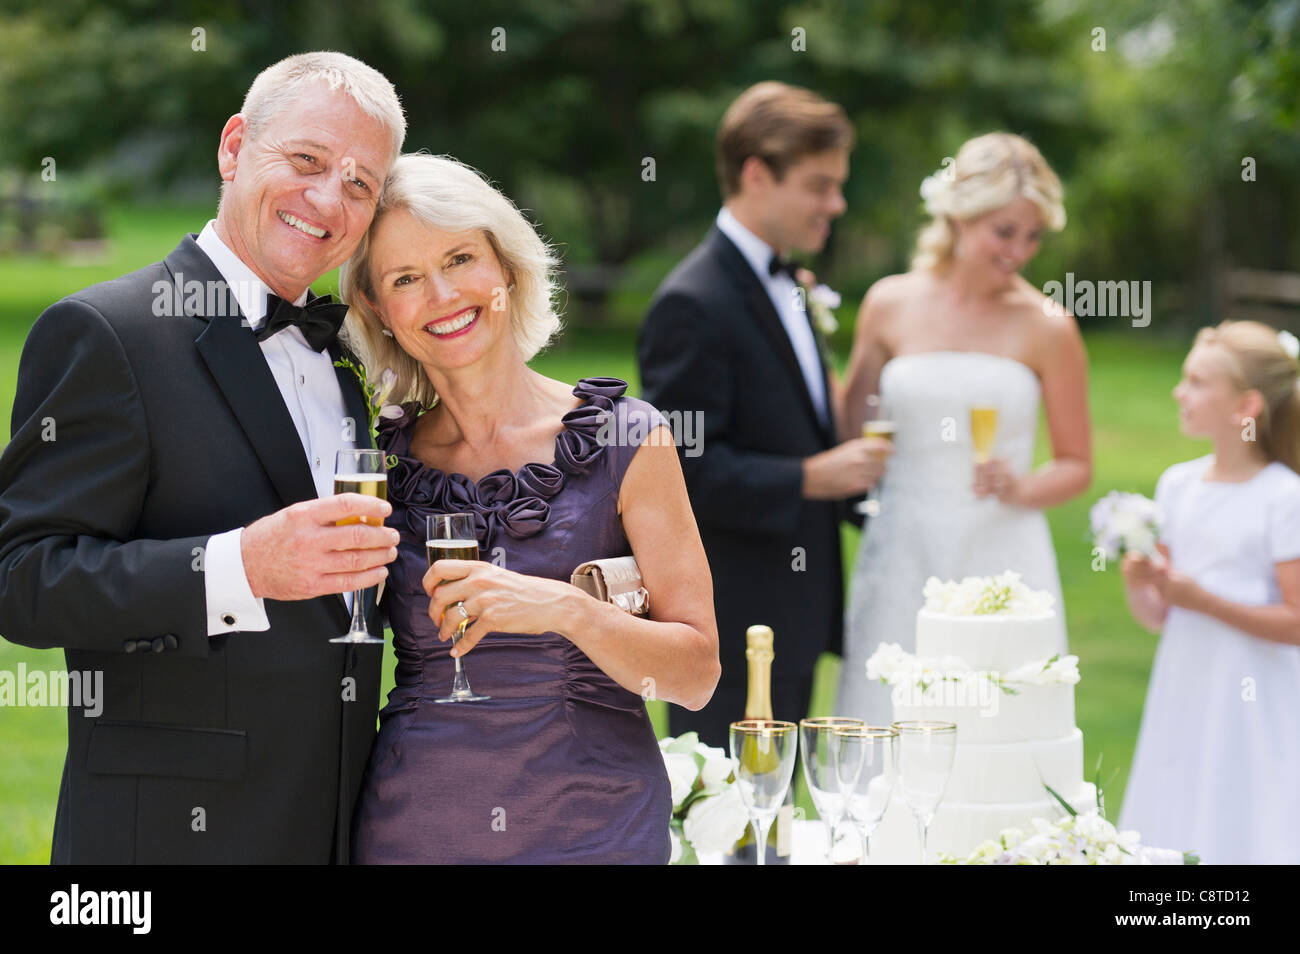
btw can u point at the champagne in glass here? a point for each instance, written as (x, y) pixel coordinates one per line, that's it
(925, 753)
(372, 485)
(451, 536)
(360, 472)
(879, 422)
(983, 431)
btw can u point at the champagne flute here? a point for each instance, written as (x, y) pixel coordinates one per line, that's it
(360, 472)
(764, 751)
(451, 536)
(865, 759)
(816, 739)
(983, 430)
(879, 422)
(925, 753)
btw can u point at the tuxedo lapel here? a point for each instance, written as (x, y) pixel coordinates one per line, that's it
(759, 305)
(233, 356)
(236, 362)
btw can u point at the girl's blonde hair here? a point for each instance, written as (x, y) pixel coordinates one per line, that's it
(990, 172)
(1259, 362)
(443, 193)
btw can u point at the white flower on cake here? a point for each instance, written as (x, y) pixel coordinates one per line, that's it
(1086, 839)
(894, 666)
(1002, 595)
(1057, 671)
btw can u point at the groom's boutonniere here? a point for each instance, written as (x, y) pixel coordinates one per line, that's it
(821, 300)
(377, 393)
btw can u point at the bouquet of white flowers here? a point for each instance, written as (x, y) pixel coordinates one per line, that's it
(1122, 522)
(708, 815)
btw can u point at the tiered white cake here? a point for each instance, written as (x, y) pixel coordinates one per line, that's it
(986, 660)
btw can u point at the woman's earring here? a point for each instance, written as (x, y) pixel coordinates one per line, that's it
(388, 332)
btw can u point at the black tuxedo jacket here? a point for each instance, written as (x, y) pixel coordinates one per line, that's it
(713, 343)
(135, 437)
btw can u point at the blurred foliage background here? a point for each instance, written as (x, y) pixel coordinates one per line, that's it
(1149, 111)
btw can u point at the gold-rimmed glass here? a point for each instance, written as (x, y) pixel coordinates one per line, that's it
(925, 754)
(866, 760)
(763, 752)
(816, 743)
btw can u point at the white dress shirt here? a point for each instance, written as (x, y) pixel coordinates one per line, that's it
(782, 290)
(311, 393)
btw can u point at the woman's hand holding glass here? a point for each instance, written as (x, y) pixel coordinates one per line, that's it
(497, 601)
(995, 478)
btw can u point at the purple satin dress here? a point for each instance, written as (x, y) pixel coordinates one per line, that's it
(561, 764)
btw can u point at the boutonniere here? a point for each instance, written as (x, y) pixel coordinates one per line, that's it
(821, 301)
(377, 394)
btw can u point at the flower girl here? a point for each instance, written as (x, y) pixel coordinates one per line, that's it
(1217, 767)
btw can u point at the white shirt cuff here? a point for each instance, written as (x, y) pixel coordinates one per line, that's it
(232, 607)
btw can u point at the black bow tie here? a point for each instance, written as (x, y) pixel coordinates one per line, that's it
(787, 265)
(319, 319)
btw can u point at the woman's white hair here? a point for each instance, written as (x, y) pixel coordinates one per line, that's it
(990, 172)
(445, 194)
(277, 86)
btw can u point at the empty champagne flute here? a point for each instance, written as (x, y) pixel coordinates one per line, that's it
(865, 759)
(764, 751)
(451, 536)
(816, 741)
(925, 753)
(879, 422)
(360, 472)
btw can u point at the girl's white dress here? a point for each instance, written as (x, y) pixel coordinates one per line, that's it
(1217, 767)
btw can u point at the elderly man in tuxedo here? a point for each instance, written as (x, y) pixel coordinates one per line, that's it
(166, 507)
(728, 336)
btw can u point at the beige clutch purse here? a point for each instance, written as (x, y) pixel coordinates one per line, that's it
(616, 581)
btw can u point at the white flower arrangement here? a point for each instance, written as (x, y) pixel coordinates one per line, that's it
(950, 675)
(708, 814)
(1080, 839)
(377, 394)
(1290, 343)
(822, 300)
(1122, 522)
(1002, 595)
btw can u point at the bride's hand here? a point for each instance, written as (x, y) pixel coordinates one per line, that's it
(496, 599)
(995, 478)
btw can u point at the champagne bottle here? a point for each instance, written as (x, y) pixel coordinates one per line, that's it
(758, 705)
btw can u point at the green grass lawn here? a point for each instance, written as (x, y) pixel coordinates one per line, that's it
(1135, 438)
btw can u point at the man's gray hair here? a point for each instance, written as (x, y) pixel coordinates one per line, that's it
(279, 84)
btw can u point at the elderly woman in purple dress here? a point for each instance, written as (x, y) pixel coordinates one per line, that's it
(452, 288)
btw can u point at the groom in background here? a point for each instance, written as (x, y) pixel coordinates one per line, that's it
(728, 336)
(166, 514)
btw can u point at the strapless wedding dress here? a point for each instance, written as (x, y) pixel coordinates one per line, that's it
(930, 522)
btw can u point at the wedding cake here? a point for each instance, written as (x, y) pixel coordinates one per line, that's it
(986, 660)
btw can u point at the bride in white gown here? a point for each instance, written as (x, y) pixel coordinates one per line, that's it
(963, 329)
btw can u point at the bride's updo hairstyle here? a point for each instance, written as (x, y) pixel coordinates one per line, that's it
(443, 193)
(990, 172)
(1264, 360)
